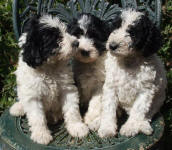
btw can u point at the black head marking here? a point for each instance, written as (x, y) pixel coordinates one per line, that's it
(74, 29)
(41, 40)
(115, 23)
(98, 32)
(95, 29)
(145, 36)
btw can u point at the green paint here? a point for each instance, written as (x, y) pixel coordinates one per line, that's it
(15, 134)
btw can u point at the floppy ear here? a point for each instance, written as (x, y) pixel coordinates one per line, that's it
(145, 35)
(114, 23)
(40, 42)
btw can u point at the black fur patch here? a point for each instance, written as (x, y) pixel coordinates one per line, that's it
(145, 36)
(40, 42)
(74, 29)
(97, 30)
(115, 23)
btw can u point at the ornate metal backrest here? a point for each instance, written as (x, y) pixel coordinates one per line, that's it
(22, 9)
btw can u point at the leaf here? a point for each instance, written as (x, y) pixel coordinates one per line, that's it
(102, 7)
(113, 9)
(62, 10)
(88, 6)
(94, 4)
(81, 5)
(73, 7)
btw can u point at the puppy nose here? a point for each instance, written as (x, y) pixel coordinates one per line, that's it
(113, 46)
(84, 53)
(75, 44)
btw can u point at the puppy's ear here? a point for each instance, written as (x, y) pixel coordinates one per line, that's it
(41, 40)
(145, 35)
(115, 23)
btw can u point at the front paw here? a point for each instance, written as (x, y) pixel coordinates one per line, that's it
(107, 131)
(93, 124)
(132, 128)
(78, 129)
(41, 137)
(17, 109)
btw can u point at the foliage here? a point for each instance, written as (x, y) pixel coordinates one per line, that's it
(166, 50)
(166, 55)
(8, 55)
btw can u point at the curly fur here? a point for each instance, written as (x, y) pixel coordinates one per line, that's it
(40, 42)
(92, 35)
(89, 62)
(145, 36)
(45, 84)
(135, 78)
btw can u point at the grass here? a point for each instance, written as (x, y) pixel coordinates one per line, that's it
(9, 52)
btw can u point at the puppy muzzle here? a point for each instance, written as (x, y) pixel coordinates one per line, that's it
(113, 46)
(85, 53)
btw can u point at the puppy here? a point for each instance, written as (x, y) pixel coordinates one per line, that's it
(135, 78)
(45, 84)
(92, 35)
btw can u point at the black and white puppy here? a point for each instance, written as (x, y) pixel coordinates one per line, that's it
(92, 34)
(45, 84)
(135, 78)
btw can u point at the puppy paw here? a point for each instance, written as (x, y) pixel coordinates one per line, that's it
(94, 124)
(17, 109)
(107, 131)
(78, 129)
(129, 130)
(146, 128)
(41, 137)
(132, 128)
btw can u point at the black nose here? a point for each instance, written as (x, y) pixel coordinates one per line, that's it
(84, 53)
(113, 46)
(75, 44)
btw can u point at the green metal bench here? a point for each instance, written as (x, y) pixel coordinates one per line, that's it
(14, 133)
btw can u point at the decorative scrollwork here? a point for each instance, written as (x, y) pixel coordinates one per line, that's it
(22, 10)
(62, 138)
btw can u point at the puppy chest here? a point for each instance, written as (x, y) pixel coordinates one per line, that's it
(126, 87)
(51, 88)
(127, 94)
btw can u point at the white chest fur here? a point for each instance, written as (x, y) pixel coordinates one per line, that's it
(90, 77)
(130, 80)
(48, 82)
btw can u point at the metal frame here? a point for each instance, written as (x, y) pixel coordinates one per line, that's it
(14, 136)
(152, 7)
